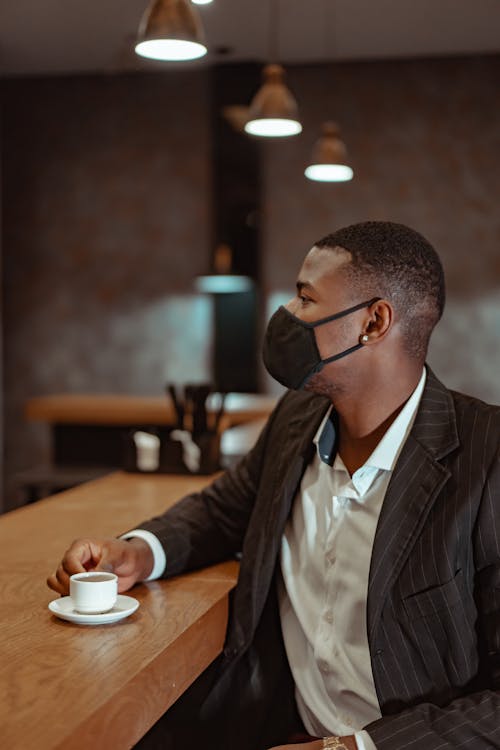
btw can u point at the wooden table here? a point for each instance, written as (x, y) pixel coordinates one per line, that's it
(72, 686)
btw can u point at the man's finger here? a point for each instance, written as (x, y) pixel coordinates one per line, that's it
(54, 584)
(63, 578)
(80, 556)
(111, 556)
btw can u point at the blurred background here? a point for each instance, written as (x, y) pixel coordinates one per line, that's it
(122, 178)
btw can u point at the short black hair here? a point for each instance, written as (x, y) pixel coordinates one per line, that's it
(393, 261)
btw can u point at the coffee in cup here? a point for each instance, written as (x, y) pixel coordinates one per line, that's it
(93, 592)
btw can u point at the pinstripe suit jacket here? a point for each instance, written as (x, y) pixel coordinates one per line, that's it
(433, 614)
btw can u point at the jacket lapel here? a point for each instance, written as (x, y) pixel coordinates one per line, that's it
(292, 463)
(264, 535)
(290, 468)
(417, 479)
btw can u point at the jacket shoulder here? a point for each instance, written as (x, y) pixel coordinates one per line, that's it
(469, 408)
(450, 411)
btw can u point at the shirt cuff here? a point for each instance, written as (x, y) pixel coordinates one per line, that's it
(159, 557)
(364, 741)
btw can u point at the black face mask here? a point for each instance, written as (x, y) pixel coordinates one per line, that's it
(290, 352)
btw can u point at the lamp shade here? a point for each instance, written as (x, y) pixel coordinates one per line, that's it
(170, 30)
(329, 157)
(273, 111)
(223, 280)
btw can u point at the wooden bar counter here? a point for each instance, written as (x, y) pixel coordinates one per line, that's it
(71, 686)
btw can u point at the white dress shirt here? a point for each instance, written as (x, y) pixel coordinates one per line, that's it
(325, 561)
(159, 556)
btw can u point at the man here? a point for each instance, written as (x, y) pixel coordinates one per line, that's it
(367, 609)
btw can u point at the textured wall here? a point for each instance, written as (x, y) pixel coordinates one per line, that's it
(106, 221)
(424, 142)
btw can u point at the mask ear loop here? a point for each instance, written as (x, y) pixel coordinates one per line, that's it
(340, 355)
(338, 315)
(362, 339)
(327, 361)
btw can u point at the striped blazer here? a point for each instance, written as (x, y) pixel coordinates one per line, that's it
(433, 611)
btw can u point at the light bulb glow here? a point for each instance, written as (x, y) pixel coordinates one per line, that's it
(170, 49)
(329, 172)
(201, 2)
(273, 127)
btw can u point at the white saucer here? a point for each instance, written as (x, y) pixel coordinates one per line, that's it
(63, 608)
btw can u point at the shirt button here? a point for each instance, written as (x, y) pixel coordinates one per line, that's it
(330, 558)
(329, 616)
(323, 666)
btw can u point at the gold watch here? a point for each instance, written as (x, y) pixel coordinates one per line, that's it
(333, 743)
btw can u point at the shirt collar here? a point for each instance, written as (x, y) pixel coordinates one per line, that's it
(386, 453)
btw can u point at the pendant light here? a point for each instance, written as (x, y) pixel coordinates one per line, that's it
(223, 280)
(171, 30)
(273, 112)
(201, 2)
(329, 157)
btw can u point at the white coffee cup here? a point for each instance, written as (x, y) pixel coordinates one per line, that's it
(93, 592)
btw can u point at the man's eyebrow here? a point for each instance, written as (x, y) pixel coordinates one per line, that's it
(304, 285)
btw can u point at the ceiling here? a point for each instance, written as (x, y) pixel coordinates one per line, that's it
(56, 37)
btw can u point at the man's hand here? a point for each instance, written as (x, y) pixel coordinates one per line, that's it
(348, 741)
(130, 560)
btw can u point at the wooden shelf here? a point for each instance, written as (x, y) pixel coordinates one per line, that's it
(112, 409)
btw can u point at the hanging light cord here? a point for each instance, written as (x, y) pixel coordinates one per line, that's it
(273, 31)
(330, 27)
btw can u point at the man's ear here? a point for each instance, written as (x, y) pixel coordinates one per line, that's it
(378, 322)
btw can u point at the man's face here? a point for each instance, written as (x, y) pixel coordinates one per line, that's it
(322, 290)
